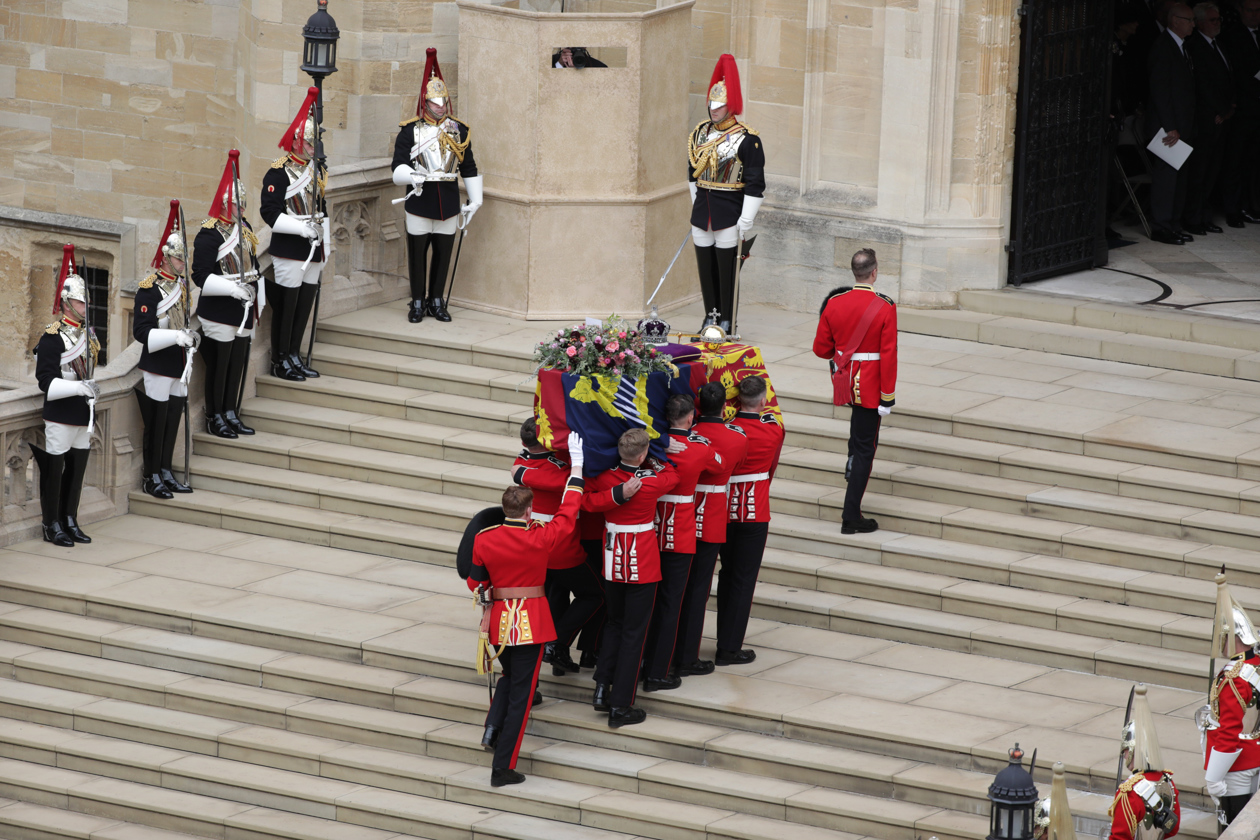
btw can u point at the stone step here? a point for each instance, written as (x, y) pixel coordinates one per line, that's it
(23, 820)
(57, 688)
(325, 778)
(803, 390)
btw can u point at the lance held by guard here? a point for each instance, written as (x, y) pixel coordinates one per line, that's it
(161, 323)
(293, 205)
(65, 363)
(229, 301)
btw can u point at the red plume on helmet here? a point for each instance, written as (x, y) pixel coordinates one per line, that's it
(289, 141)
(67, 268)
(728, 73)
(224, 206)
(172, 223)
(431, 70)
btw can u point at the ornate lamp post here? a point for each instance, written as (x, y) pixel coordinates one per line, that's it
(319, 59)
(1013, 796)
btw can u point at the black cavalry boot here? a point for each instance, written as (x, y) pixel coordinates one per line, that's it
(174, 413)
(417, 250)
(154, 416)
(71, 490)
(216, 355)
(236, 376)
(51, 473)
(706, 267)
(305, 304)
(726, 286)
(443, 246)
(283, 306)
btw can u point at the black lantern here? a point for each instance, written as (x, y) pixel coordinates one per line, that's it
(319, 57)
(1013, 796)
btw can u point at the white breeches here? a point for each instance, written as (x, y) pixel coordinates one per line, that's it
(1242, 782)
(161, 388)
(290, 275)
(419, 225)
(724, 238)
(215, 331)
(60, 438)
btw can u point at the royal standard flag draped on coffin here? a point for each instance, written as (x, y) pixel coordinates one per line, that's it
(600, 408)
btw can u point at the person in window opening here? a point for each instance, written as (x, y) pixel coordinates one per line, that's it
(574, 58)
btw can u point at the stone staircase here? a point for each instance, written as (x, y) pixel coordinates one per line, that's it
(285, 654)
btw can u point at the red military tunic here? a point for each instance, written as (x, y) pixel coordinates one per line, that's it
(874, 380)
(547, 476)
(749, 494)
(631, 554)
(676, 511)
(515, 554)
(711, 488)
(1128, 808)
(1231, 694)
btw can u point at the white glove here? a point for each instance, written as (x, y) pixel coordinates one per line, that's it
(475, 197)
(404, 175)
(217, 285)
(161, 339)
(1219, 763)
(1216, 790)
(576, 458)
(87, 387)
(749, 214)
(884, 410)
(287, 223)
(60, 389)
(695, 189)
(186, 339)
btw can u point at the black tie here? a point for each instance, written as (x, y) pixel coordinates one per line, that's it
(1185, 53)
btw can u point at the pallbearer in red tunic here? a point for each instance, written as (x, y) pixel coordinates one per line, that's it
(632, 566)
(676, 537)
(857, 335)
(711, 519)
(547, 475)
(1146, 806)
(748, 502)
(1229, 720)
(509, 567)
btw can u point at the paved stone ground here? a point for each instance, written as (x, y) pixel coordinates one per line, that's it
(1216, 274)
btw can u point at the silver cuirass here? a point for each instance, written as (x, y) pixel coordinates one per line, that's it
(718, 153)
(297, 197)
(432, 152)
(172, 309)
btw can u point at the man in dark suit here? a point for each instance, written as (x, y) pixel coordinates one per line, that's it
(1240, 171)
(1170, 107)
(1213, 108)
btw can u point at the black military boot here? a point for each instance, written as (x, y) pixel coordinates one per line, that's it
(216, 355)
(417, 250)
(51, 474)
(706, 266)
(307, 293)
(726, 286)
(236, 377)
(443, 246)
(174, 413)
(71, 490)
(154, 415)
(283, 310)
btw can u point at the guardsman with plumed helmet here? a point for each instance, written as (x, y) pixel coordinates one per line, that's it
(65, 363)
(1146, 806)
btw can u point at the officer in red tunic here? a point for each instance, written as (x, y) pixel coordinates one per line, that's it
(627, 495)
(1232, 759)
(160, 323)
(857, 334)
(748, 503)
(1146, 805)
(567, 572)
(293, 205)
(509, 568)
(731, 444)
(676, 537)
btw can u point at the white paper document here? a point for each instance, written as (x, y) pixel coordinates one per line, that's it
(1174, 155)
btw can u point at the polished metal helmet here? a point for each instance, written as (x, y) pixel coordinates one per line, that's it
(75, 288)
(173, 247)
(1041, 819)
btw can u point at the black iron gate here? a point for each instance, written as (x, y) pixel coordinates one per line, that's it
(1059, 192)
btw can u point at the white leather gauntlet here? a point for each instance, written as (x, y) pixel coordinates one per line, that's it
(60, 389)
(161, 339)
(402, 175)
(748, 215)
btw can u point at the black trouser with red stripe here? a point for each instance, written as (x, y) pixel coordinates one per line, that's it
(663, 634)
(695, 602)
(514, 694)
(587, 589)
(629, 608)
(741, 563)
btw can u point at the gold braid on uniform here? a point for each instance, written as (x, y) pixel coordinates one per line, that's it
(408, 122)
(251, 238)
(209, 223)
(1122, 799)
(95, 345)
(446, 142)
(1226, 678)
(147, 283)
(703, 156)
(53, 328)
(278, 163)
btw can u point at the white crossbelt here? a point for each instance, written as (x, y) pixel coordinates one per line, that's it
(678, 500)
(542, 517)
(710, 488)
(745, 479)
(629, 529)
(865, 357)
